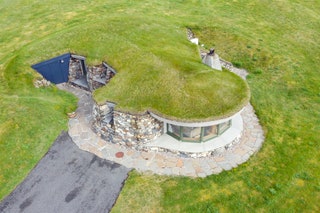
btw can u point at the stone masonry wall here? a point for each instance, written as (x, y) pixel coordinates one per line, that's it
(96, 77)
(75, 71)
(102, 121)
(135, 130)
(125, 129)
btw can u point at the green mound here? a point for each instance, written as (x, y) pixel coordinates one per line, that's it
(161, 71)
(158, 68)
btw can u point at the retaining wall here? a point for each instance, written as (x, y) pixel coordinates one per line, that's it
(125, 129)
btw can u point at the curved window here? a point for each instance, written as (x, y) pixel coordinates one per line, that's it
(209, 132)
(224, 126)
(192, 134)
(197, 134)
(174, 131)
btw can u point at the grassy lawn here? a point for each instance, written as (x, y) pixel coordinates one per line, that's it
(276, 42)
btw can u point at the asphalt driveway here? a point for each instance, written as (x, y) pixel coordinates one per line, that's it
(68, 179)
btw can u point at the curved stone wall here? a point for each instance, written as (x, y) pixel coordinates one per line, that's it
(102, 120)
(149, 131)
(125, 129)
(135, 130)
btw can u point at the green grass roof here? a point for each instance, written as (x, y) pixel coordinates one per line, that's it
(161, 71)
(158, 68)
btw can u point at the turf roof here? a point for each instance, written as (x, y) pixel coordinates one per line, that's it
(158, 69)
(164, 74)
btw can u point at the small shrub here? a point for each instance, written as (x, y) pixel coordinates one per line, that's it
(303, 176)
(273, 191)
(257, 71)
(237, 64)
(254, 58)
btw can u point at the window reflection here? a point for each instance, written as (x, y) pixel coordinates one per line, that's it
(191, 133)
(197, 134)
(173, 129)
(209, 132)
(224, 126)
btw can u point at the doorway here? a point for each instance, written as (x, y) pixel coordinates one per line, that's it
(78, 72)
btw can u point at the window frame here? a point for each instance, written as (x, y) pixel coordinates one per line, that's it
(181, 138)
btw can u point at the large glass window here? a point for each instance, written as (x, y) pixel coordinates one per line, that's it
(174, 131)
(192, 134)
(209, 132)
(197, 134)
(224, 126)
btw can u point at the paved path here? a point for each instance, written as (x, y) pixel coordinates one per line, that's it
(67, 179)
(160, 162)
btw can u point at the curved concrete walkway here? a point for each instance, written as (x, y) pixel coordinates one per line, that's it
(160, 162)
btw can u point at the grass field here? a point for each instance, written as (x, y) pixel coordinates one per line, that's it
(276, 42)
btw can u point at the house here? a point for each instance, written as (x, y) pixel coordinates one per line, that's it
(191, 129)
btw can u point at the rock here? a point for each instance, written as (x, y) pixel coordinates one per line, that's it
(179, 163)
(212, 61)
(41, 83)
(72, 114)
(195, 41)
